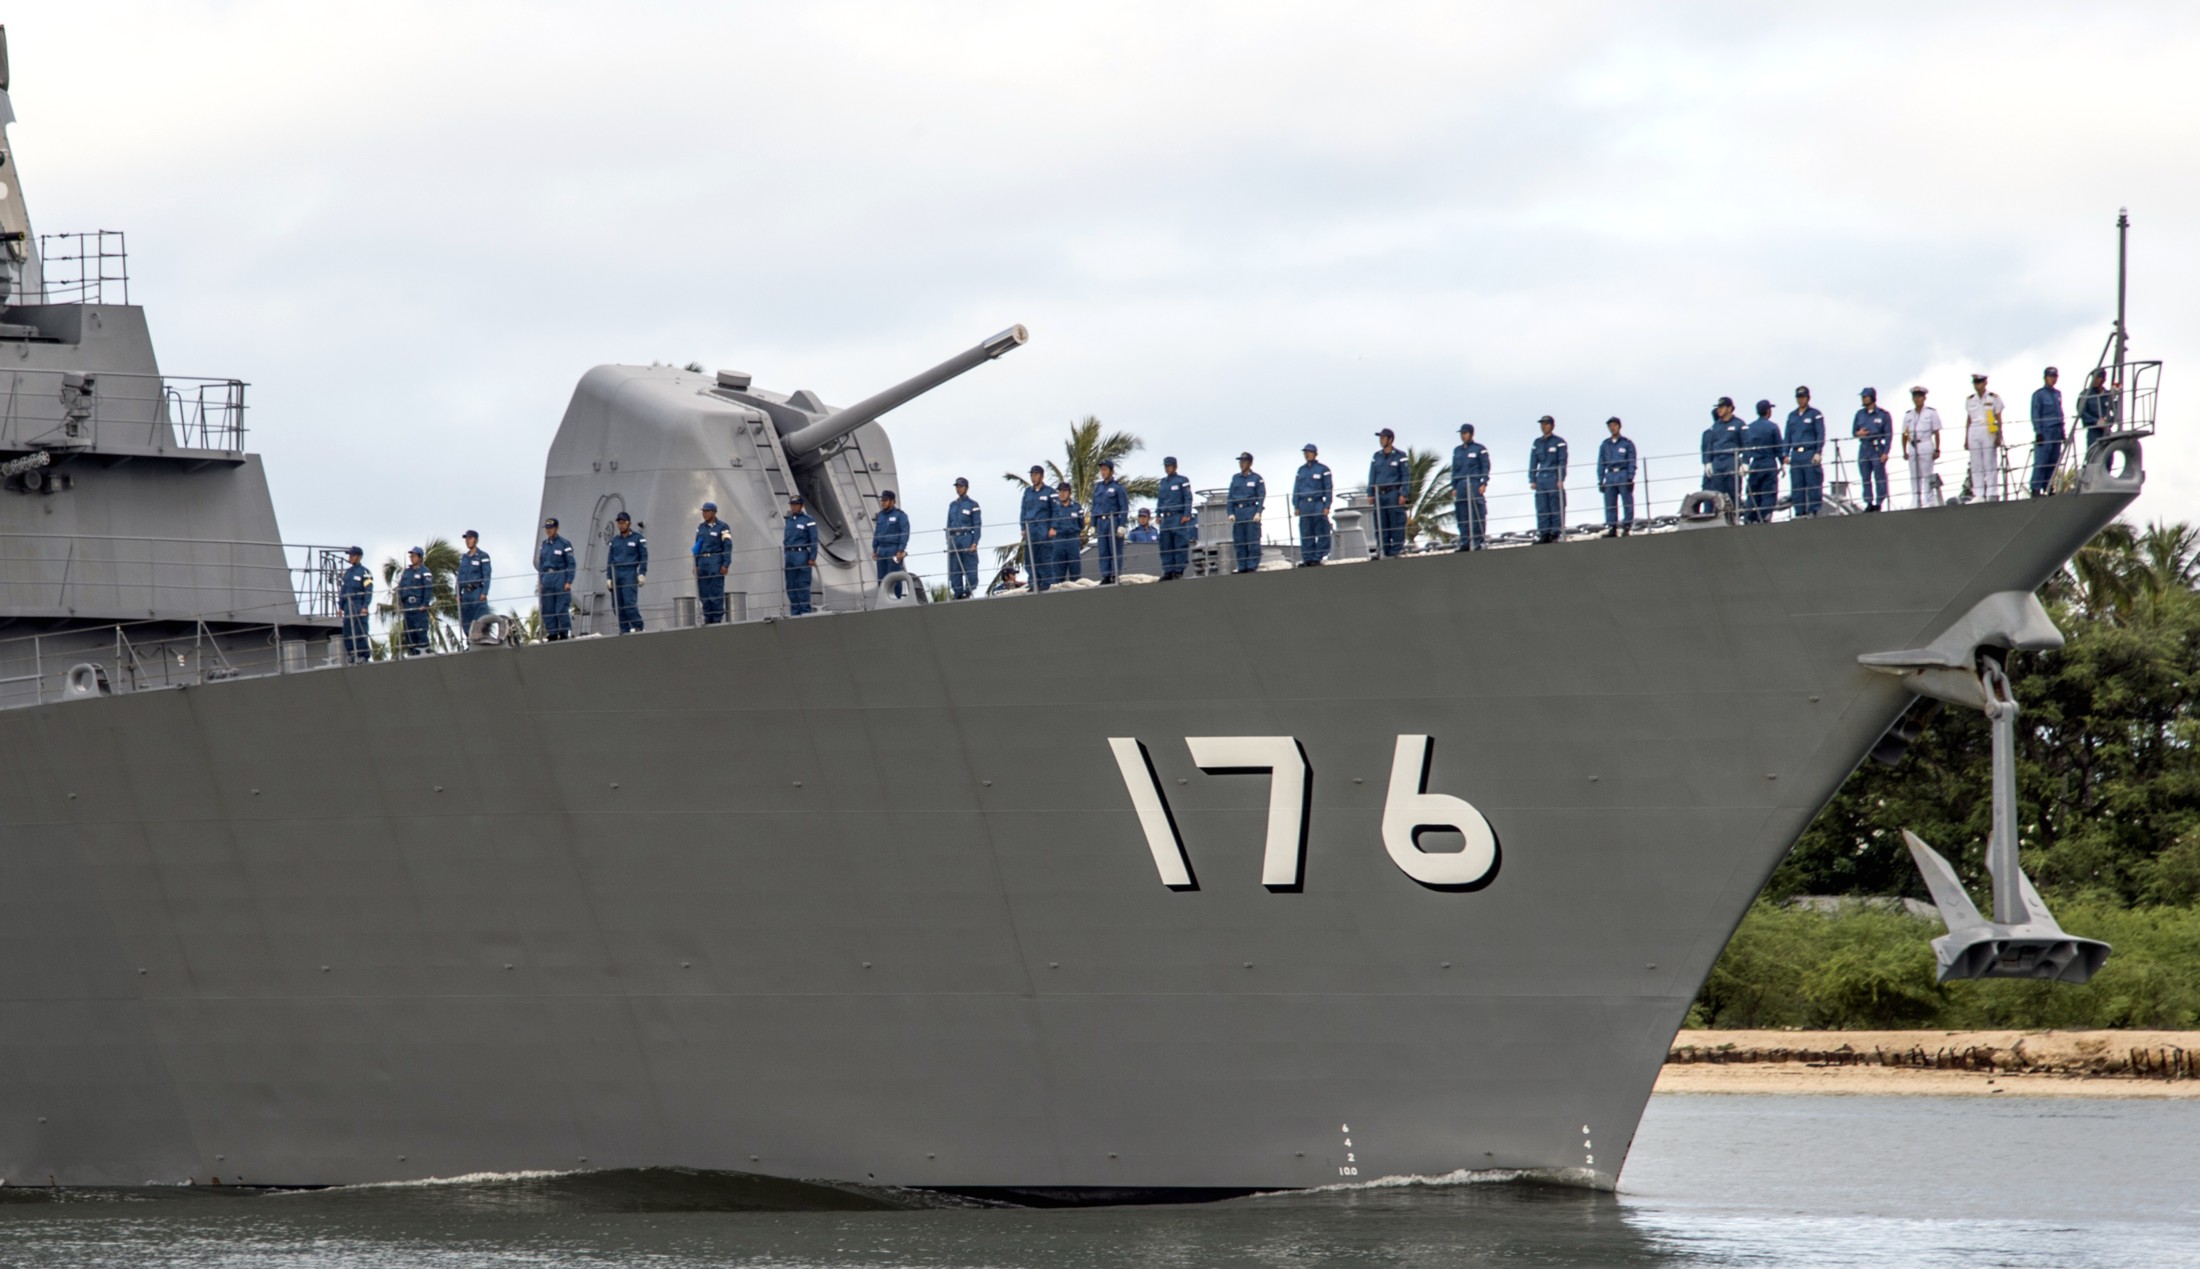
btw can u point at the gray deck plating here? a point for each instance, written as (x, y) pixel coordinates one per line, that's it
(864, 897)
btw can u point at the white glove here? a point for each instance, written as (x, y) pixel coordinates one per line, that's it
(1817, 460)
(639, 578)
(1707, 469)
(607, 583)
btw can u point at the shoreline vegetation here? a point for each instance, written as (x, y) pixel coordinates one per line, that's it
(2108, 820)
(2093, 1063)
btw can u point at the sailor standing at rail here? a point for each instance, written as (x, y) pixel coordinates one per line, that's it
(1616, 478)
(354, 591)
(626, 567)
(1389, 483)
(1311, 495)
(1110, 504)
(2047, 431)
(473, 583)
(798, 555)
(1143, 531)
(890, 539)
(1722, 451)
(1547, 474)
(1806, 455)
(1982, 436)
(415, 597)
(2097, 408)
(965, 525)
(1173, 508)
(1248, 494)
(1033, 516)
(713, 551)
(1873, 429)
(1921, 445)
(1470, 487)
(1761, 454)
(554, 569)
(1065, 534)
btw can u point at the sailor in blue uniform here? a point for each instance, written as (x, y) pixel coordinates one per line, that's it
(354, 592)
(1806, 456)
(2047, 430)
(965, 525)
(1248, 494)
(1616, 478)
(1037, 511)
(1470, 487)
(1111, 504)
(1874, 433)
(1311, 494)
(890, 539)
(554, 569)
(473, 583)
(798, 555)
(1722, 450)
(2099, 408)
(415, 599)
(1761, 444)
(1389, 483)
(626, 567)
(1173, 508)
(1547, 474)
(1065, 536)
(713, 551)
(1143, 531)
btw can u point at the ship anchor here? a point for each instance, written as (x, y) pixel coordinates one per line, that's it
(2023, 939)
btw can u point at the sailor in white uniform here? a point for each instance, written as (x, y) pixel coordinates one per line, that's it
(1982, 412)
(1921, 445)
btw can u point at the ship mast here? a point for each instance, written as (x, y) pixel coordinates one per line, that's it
(19, 273)
(2123, 240)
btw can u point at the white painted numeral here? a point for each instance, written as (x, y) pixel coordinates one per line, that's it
(1290, 789)
(1410, 810)
(1154, 816)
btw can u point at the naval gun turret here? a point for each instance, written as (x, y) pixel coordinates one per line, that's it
(657, 441)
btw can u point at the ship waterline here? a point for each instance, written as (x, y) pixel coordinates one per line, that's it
(865, 897)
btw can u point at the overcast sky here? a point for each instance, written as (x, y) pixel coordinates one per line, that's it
(413, 226)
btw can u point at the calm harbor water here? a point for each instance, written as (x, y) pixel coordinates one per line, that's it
(1714, 1181)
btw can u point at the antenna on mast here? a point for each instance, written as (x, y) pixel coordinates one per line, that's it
(2123, 242)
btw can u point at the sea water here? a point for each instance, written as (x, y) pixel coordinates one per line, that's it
(1713, 1180)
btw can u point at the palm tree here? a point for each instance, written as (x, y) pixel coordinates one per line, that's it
(441, 558)
(2123, 570)
(1082, 453)
(1428, 498)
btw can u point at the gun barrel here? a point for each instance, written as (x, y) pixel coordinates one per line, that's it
(807, 440)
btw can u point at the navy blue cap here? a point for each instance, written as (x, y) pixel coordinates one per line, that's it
(1170, 461)
(623, 516)
(1145, 511)
(1801, 390)
(1764, 407)
(1108, 463)
(961, 483)
(1546, 419)
(1869, 392)
(1466, 427)
(1728, 402)
(1387, 432)
(710, 506)
(1310, 448)
(885, 493)
(354, 551)
(793, 499)
(1065, 487)
(1037, 468)
(417, 551)
(550, 523)
(1245, 457)
(469, 534)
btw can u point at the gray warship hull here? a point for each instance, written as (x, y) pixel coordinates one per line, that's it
(866, 896)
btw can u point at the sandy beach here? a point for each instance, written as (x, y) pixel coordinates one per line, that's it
(2157, 1064)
